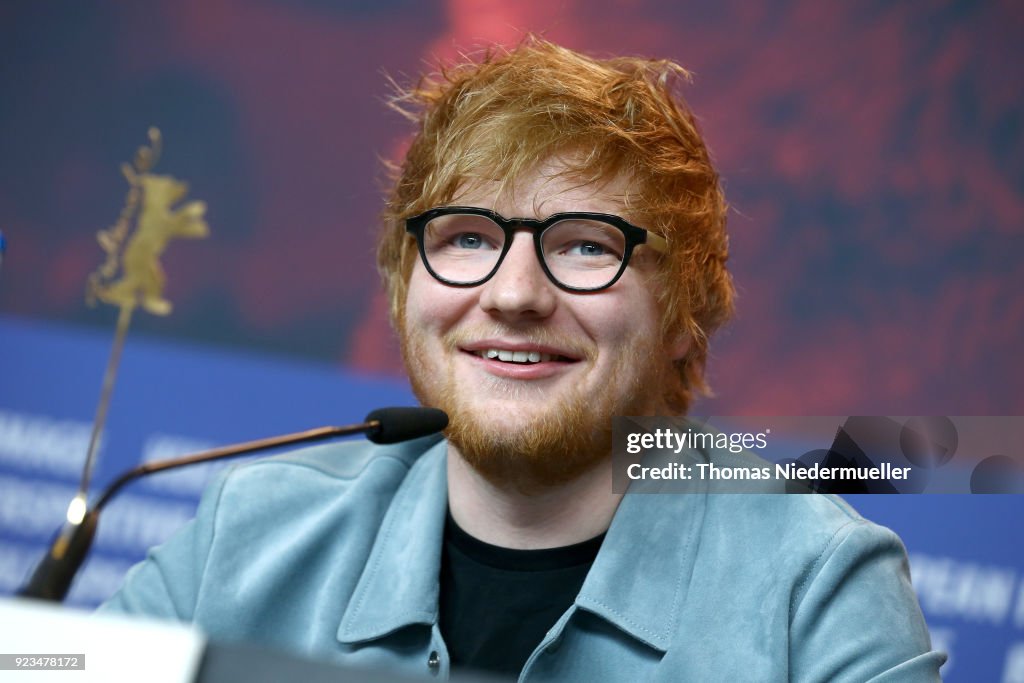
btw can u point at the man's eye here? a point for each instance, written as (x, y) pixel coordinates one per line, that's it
(591, 250)
(589, 243)
(469, 240)
(586, 249)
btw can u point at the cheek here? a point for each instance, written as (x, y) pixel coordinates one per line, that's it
(623, 321)
(431, 306)
(422, 303)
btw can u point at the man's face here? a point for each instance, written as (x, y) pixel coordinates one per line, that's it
(536, 422)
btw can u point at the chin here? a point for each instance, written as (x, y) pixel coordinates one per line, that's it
(547, 445)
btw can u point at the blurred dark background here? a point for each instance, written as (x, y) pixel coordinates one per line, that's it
(873, 156)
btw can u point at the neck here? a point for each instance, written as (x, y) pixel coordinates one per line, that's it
(544, 518)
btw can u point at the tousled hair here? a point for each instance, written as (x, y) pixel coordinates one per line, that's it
(502, 115)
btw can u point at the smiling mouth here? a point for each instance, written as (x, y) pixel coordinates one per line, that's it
(521, 357)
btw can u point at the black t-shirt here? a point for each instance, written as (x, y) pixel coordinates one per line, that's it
(498, 603)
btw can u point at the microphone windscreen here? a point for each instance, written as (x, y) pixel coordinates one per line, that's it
(401, 424)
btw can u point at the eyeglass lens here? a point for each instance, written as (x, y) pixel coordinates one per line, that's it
(580, 253)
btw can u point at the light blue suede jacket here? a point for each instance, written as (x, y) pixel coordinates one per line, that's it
(335, 551)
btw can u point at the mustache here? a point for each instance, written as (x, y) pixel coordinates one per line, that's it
(539, 336)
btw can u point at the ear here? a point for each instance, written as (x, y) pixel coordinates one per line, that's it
(677, 345)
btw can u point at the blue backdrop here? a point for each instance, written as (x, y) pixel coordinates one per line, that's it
(966, 557)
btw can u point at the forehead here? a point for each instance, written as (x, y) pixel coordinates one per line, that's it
(551, 187)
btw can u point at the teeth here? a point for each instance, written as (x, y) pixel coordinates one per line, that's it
(518, 356)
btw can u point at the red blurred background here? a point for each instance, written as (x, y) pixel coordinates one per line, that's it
(873, 156)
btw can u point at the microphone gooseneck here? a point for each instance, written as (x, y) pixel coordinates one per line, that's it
(53, 575)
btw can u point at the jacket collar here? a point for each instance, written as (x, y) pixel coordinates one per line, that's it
(638, 582)
(399, 585)
(644, 569)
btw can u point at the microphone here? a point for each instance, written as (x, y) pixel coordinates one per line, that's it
(402, 424)
(53, 575)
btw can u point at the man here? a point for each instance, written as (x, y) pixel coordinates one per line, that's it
(554, 251)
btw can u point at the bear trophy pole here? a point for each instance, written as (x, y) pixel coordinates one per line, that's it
(132, 276)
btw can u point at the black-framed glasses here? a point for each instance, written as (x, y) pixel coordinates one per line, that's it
(579, 251)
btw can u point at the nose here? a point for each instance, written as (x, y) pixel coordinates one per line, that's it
(520, 289)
